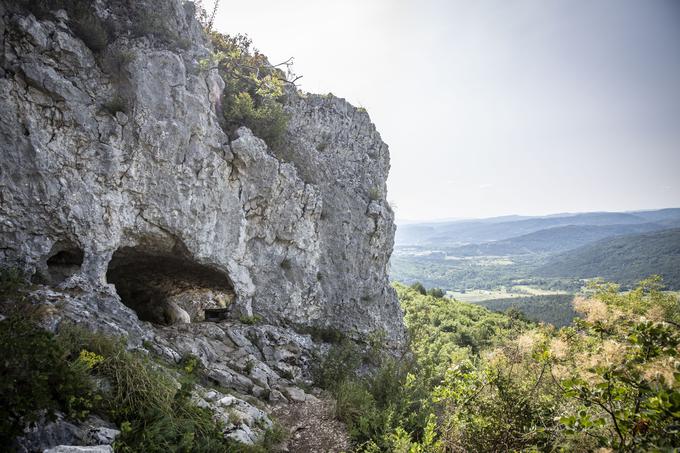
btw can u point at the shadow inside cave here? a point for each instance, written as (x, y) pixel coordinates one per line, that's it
(167, 288)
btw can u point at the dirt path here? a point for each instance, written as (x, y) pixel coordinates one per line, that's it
(312, 427)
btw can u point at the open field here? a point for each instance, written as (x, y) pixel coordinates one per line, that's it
(480, 295)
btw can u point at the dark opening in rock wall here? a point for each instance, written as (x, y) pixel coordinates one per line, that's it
(166, 288)
(63, 262)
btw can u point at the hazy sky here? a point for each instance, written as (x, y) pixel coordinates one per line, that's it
(496, 107)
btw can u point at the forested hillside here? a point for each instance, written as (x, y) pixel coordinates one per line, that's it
(622, 259)
(475, 380)
(451, 234)
(555, 309)
(551, 240)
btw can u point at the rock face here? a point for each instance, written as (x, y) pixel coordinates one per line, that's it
(269, 363)
(115, 170)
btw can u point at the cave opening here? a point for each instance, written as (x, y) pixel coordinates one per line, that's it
(167, 288)
(63, 262)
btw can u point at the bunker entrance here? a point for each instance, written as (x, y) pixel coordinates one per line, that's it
(167, 288)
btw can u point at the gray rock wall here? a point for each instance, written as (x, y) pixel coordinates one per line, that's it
(300, 236)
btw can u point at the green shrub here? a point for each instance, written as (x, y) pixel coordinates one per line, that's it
(436, 292)
(267, 120)
(254, 89)
(155, 412)
(353, 401)
(116, 64)
(374, 193)
(250, 320)
(339, 363)
(37, 379)
(419, 287)
(152, 23)
(11, 281)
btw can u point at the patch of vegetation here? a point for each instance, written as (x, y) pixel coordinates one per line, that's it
(43, 373)
(254, 89)
(38, 380)
(11, 281)
(433, 269)
(338, 364)
(555, 309)
(374, 193)
(623, 259)
(417, 286)
(116, 64)
(499, 383)
(250, 320)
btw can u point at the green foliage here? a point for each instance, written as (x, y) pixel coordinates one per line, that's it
(623, 259)
(436, 292)
(339, 363)
(153, 23)
(555, 309)
(43, 373)
(417, 286)
(37, 379)
(156, 412)
(433, 269)
(11, 281)
(499, 383)
(444, 331)
(87, 26)
(254, 89)
(623, 373)
(500, 405)
(385, 398)
(250, 320)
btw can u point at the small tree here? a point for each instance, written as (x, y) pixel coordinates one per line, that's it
(419, 287)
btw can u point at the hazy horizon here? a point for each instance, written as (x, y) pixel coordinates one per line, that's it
(404, 221)
(493, 108)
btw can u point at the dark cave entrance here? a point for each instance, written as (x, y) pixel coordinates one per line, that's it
(64, 260)
(167, 288)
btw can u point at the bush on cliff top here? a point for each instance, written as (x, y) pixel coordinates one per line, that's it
(254, 89)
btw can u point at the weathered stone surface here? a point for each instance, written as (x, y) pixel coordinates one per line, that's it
(79, 449)
(300, 236)
(91, 432)
(133, 211)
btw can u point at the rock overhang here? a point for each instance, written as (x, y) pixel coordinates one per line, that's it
(103, 182)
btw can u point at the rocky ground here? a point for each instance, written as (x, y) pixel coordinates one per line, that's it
(312, 427)
(256, 374)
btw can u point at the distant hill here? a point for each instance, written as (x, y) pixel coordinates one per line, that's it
(555, 309)
(456, 233)
(552, 240)
(623, 259)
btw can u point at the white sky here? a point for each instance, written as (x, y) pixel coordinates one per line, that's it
(501, 106)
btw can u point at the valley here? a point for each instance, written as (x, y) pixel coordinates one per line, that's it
(527, 262)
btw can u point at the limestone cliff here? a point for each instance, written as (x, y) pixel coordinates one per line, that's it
(115, 170)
